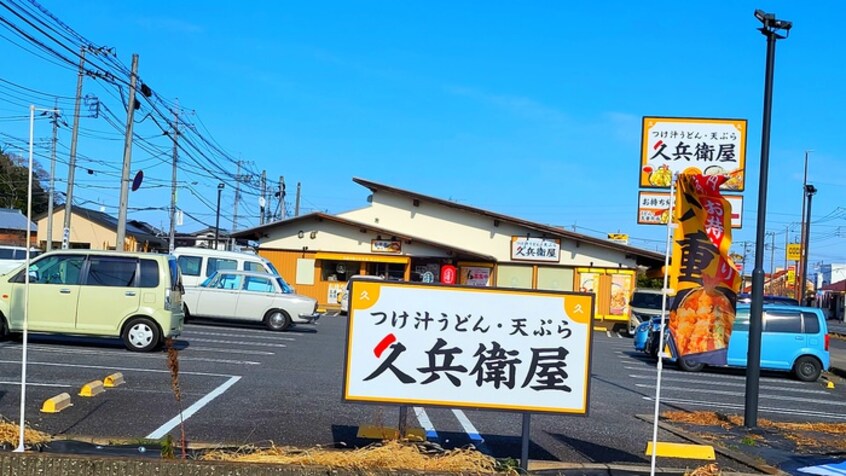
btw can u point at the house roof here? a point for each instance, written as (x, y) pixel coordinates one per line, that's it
(13, 219)
(257, 232)
(644, 257)
(107, 221)
(838, 286)
(209, 229)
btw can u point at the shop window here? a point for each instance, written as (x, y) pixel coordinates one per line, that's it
(392, 271)
(514, 277)
(555, 278)
(339, 270)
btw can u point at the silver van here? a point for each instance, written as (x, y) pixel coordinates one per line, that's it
(198, 264)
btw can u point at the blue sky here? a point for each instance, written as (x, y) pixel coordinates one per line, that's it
(530, 110)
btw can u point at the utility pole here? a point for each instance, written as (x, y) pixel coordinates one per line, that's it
(803, 257)
(297, 205)
(810, 190)
(127, 157)
(786, 242)
(262, 199)
(282, 197)
(52, 175)
(235, 207)
(72, 158)
(743, 265)
(772, 260)
(172, 233)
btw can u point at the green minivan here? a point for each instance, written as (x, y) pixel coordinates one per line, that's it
(134, 296)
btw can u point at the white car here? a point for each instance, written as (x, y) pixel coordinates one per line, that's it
(13, 257)
(249, 296)
(344, 297)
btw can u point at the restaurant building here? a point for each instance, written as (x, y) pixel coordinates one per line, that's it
(409, 236)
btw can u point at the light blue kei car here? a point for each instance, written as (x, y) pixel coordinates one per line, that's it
(794, 339)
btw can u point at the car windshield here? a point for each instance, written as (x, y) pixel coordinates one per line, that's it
(272, 269)
(285, 287)
(646, 300)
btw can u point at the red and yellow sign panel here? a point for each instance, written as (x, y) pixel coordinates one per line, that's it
(702, 272)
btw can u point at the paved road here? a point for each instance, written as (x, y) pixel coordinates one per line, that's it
(244, 384)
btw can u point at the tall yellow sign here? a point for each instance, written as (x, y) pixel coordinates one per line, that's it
(794, 252)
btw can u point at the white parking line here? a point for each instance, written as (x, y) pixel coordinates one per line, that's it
(471, 430)
(241, 336)
(711, 391)
(227, 351)
(423, 418)
(119, 369)
(32, 384)
(707, 377)
(730, 384)
(160, 357)
(165, 429)
(257, 344)
(779, 411)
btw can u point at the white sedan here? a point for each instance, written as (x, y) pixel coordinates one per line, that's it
(249, 296)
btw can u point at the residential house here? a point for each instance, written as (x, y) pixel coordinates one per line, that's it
(96, 230)
(13, 226)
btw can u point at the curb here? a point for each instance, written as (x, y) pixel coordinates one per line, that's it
(739, 457)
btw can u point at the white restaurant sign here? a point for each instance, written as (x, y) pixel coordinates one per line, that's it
(456, 346)
(535, 249)
(653, 208)
(683, 145)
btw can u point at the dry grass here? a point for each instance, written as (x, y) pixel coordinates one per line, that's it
(703, 418)
(806, 436)
(390, 455)
(708, 470)
(10, 432)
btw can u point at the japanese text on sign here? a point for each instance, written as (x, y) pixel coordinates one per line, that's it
(702, 271)
(692, 146)
(535, 249)
(654, 208)
(503, 349)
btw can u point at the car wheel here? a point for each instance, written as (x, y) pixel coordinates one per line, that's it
(185, 314)
(141, 335)
(277, 320)
(807, 369)
(689, 366)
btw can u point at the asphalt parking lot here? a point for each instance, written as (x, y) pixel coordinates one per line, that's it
(243, 384)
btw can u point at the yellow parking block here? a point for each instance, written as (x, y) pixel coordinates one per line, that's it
(113, 380)
(682, 450)
(57, 403)
(373, 432)
(92, 389)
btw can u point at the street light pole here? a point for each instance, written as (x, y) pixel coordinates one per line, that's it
(217, 217)
(770, 29)
(810, 190)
